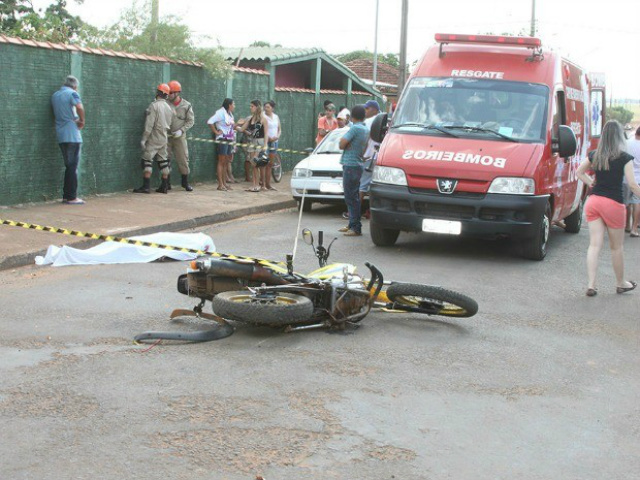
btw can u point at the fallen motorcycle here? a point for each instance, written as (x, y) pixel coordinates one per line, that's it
(261, 292)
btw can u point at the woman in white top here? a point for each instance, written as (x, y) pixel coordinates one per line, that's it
(222, 125)
(273, 135)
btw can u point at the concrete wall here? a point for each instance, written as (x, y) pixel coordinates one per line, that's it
(115, 93)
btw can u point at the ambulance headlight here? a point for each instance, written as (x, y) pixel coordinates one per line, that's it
(513, 186)
(392, 176)
(301, 172)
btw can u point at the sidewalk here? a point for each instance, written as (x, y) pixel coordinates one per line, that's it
(127, 214)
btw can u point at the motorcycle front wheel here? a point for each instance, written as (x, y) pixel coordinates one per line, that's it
(276, 310)
(431, 300)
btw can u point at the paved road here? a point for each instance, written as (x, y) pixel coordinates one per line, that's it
(542, 383)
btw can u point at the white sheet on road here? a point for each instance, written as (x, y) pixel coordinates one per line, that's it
(115, 252)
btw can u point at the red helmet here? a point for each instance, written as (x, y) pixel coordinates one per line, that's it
(164, 88)
(175, 86)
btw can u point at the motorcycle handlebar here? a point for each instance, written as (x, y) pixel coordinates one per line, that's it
(376, 275)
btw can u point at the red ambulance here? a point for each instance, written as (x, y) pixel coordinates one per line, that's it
(486, 140)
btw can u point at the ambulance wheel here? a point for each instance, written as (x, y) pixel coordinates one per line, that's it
(574, 221)
(382, 237)
(535, 248)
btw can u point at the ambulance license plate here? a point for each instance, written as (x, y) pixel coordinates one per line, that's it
(447, 227)
(327, 187)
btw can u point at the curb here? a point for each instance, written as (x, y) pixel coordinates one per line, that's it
(28, 258)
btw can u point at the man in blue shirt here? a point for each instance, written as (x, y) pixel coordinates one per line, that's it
(353, 143)
(69, 113)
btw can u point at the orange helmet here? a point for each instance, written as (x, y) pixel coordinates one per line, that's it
(175, 86)
(164, 88)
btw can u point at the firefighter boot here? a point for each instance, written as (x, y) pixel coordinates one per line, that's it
(164, 186)
(185, 183)
(145, 188)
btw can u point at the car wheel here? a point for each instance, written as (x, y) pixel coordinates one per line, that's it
(307, 205)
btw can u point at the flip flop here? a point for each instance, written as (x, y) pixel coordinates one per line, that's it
(627, 289)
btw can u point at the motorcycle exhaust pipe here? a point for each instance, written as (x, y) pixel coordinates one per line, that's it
(230, 268)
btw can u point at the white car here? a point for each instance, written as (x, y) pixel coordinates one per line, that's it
(320, 174)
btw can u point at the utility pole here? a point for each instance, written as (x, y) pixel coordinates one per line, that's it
(375, 48)
(533, 18)
(155, 19)
(402, 78)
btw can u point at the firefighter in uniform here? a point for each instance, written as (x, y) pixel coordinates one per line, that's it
(154, 140)
(183, 120)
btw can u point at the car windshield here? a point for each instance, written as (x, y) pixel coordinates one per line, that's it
(331, 142)
(504, 111)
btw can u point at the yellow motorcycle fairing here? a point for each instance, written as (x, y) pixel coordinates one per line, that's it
(331, 271)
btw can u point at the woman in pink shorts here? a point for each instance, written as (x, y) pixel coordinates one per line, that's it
(605, 210)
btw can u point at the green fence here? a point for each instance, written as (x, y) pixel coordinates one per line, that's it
(115, 92)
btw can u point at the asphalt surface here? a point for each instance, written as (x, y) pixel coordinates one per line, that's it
(542, 383)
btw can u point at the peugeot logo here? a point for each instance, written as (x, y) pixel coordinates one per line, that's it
(447, 186)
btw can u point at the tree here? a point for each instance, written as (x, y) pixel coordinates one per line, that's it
(261, 43)
(18, 18)
(134, 33)
(391, 59)
(620, 114)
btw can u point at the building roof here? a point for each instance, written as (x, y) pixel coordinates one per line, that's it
(111, 53)
(268, 54)
(364, 69)
(281, 55)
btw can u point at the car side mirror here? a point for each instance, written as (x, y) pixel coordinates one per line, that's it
(379, 127)
(309, 150)
(307, 236)
(567, 143)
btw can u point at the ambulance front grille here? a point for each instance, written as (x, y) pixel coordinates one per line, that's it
(447, 212)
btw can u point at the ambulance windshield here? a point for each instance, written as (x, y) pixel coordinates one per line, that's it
(505, 111)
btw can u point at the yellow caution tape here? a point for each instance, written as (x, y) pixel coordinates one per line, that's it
(244, 145)
(139, 243)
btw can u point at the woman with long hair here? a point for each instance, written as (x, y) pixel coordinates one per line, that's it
(605, 209)
(257, 127)
(222, 124)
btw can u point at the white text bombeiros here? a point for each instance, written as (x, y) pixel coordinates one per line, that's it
(438, 155)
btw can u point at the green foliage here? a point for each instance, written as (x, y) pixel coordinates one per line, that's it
(391, 59)
(18, 18)
(134, 33)
(261, 43)
(620, 114)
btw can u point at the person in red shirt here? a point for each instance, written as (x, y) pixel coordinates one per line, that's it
(327, 123)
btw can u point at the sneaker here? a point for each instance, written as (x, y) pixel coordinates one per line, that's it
(343, 229)
(75, 201)
(345, 215)
(351, 233)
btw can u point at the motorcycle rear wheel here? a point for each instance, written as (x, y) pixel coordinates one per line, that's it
(431, 300)
(280, 310)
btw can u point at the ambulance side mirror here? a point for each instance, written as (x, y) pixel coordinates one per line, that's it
(379, 127)
(567, 143)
